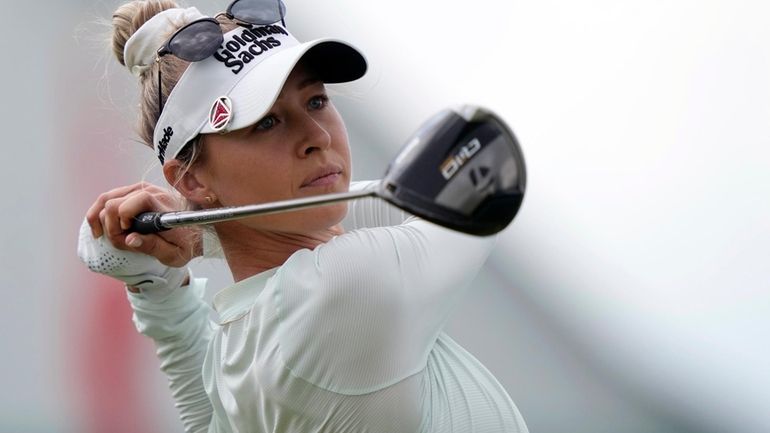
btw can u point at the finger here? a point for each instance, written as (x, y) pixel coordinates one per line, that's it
(111, 219)
(93, 213)
(93, 216)
(121, 211)
(152, 244)
(141, 201)
(118, 241)
(134, 204)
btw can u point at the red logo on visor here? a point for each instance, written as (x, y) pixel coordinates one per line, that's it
(221, 113)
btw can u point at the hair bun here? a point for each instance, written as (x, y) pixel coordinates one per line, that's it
(129, 17)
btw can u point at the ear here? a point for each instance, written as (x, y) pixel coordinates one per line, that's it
(189, 182)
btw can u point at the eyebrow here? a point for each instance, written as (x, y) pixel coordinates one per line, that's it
(308, 82)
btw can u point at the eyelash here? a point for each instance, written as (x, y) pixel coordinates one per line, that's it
(324, 102)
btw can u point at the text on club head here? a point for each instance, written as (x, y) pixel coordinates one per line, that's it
(454, 163)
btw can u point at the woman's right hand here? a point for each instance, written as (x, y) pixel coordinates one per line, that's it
(112, 212)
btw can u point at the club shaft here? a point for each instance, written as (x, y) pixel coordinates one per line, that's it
(209, 216)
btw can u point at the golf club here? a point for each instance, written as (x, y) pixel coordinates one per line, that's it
(463, 169)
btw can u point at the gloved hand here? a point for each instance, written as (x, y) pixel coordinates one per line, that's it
(154, 279)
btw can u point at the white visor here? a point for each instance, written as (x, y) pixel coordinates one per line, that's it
(238, 85)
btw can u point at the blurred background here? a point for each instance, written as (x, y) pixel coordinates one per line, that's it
(631, 293)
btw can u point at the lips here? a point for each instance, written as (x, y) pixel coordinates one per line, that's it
(325, 175)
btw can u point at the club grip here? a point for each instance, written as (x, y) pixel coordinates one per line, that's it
(147, 223)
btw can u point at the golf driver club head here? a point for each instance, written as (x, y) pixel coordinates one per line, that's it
(463, 169)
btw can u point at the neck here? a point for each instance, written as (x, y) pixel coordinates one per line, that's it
(249, 251)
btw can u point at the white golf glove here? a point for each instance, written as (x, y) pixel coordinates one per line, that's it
(155, 280)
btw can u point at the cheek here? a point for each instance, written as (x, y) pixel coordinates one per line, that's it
(340, 138)
(247, 177)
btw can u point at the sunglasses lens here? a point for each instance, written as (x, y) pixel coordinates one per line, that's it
(197, 41)
(258, 11)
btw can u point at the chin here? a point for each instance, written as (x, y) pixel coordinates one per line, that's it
(324, 217)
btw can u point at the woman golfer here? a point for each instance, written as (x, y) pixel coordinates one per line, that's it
(334, 323)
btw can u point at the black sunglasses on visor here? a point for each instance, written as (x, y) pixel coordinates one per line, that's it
(200, 39)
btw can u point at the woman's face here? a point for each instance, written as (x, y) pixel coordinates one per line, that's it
(300, 148)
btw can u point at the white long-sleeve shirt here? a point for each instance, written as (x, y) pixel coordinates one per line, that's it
(344, 338)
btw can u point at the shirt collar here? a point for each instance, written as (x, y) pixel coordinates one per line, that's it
(235, 301)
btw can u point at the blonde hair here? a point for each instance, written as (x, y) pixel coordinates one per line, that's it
(126, 20)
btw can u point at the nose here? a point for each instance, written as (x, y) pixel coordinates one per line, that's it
(313, 136)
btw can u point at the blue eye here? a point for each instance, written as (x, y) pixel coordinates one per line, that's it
(318, 102)
(267, 122)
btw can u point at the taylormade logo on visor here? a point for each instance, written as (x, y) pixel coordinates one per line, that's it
(168, 132)
(247, 45)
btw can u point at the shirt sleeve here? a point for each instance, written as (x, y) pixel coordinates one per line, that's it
(363, 311)
(181, 330)
(371, 212)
